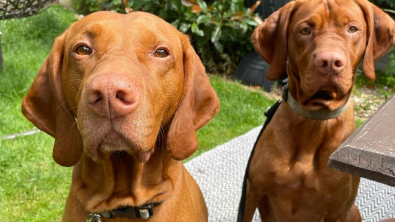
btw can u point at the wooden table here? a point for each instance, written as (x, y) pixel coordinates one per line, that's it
(370, 151)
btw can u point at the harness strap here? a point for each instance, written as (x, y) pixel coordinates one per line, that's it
(269, 115)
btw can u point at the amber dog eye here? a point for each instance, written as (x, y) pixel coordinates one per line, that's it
(161, 53)
(352, 29)
(305, 31)
(83, 50)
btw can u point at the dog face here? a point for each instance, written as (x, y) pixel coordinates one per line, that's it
(130, 86)
(329, 40)
(126, 79)
(323, 42)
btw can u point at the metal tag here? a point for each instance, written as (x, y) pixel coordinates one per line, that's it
(92, 217)
(144, 213)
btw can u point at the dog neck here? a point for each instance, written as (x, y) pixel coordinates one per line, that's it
(123, 182)
(316, 114)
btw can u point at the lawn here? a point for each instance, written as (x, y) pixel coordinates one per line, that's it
(32, 186)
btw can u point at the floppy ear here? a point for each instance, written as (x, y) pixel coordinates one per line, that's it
(270, 40)
(381, 36)
(46, 107)
(198, 105)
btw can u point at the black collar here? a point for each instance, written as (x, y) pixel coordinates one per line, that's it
(143, 212)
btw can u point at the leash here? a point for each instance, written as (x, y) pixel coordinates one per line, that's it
(143, 212)
(269, 115)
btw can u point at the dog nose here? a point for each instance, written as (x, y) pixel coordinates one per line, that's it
(112, 95)
(330, 62)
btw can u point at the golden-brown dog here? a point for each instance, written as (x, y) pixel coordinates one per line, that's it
(123, 96)
(319, 43)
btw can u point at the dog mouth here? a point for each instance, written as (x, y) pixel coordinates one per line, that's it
(119, 146)
(324, 95)
(321, 99)
(122, 155)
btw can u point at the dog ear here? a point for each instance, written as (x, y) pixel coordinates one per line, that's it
(270, 40)
(380, 36)
(198, 105)
(46, 107)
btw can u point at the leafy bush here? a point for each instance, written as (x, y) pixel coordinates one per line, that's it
(387, 5)
(220, 30)
(384, 78)
(390, 3)
(85, 7)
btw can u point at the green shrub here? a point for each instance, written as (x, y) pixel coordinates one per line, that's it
(386, 5)
(219, 30)
(384, 78)
(85, 7)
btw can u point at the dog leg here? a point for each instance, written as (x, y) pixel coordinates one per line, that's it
(251, 203)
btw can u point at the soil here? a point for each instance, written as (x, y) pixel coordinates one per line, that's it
(368, 100)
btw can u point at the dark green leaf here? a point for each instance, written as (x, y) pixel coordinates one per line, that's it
(184, 27)
(202, 5)
(176, 4)
(233, 25)
(136, 4)
(218, 47)
(202, 19)
(195, 29)
(216, 34)
(147, 6)
(163, 13)
(244, 27)
(250, 21)
(176, 23)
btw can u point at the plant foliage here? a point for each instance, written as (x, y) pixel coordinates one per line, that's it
(219, 30)
(385, 3)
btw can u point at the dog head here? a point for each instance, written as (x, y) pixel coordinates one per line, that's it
(323, 41)
(117, 82)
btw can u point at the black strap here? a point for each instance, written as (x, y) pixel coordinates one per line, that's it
(269, 115)
(131, 212)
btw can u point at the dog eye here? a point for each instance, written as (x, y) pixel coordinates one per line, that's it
(305, 31)
(83, 50)
(161, 53)
(352, 29)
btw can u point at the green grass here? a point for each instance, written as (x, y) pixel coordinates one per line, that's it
(25, 44)
(241, 110)
(32, 186)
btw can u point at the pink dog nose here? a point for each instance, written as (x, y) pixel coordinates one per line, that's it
(330, 62)
(112, 95)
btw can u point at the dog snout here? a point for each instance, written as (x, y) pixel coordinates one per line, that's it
(112, 95)
(330, 62)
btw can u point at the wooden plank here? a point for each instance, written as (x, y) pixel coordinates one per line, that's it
(370, 151)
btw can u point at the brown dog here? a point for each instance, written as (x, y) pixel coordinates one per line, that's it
(319, 43)
(123, 96)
